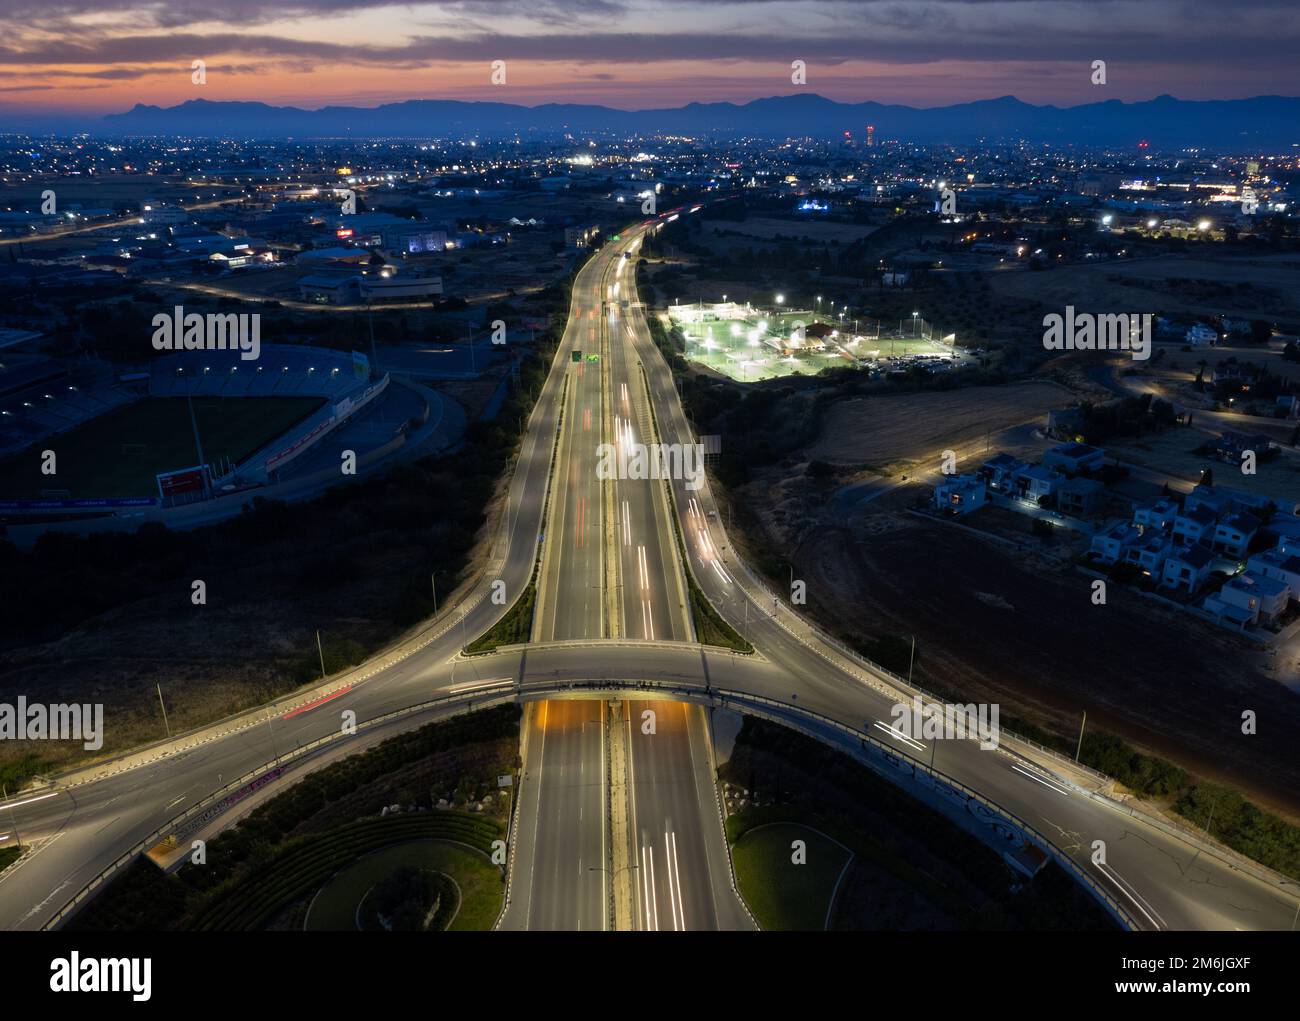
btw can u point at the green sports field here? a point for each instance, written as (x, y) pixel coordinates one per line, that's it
(120, 453)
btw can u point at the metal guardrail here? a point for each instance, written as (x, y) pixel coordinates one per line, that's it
(1190, 834)
(1194, 836)
(481, 698)
(1111, 903)
(507, 691)
(906, 686)
(486, 697)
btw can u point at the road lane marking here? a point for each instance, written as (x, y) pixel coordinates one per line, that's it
(675, 879)
(472, 685)
(29, 801)
(1123, 886)
(1045, 783)
(652, 895)
(901, 737)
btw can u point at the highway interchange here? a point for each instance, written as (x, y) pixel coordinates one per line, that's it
(612, 621)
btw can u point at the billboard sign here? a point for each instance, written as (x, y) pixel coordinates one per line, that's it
(184, 481)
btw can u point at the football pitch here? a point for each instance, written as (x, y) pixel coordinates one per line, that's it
(120, 453)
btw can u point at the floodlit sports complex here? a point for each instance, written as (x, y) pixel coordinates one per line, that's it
(750, 344)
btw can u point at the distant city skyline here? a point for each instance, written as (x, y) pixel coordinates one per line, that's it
(80, 57)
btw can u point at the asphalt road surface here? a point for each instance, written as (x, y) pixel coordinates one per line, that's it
(560, 879)
(84, 821)
(682, 881)
(609, 567)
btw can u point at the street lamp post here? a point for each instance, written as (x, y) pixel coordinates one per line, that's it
(14, 822)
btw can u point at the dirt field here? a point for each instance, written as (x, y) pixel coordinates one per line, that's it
(1012, 622)
(769, 229)
(994, 627)
(1275, 284)
(902, 429)
(1172, 452)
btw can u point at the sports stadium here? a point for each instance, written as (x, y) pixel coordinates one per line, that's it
(192, 427)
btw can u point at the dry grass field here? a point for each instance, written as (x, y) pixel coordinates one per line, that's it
(769, 229)
(895, 430)
(1274, 293)
(1172, 452)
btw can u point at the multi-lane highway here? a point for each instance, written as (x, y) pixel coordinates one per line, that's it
(610, 568)
(560, 877)
(84, 821)
(683, 875)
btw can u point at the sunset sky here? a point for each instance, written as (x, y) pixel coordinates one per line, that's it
(90, 56)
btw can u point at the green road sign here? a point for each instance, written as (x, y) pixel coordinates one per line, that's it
(577, 356)
(593, 358)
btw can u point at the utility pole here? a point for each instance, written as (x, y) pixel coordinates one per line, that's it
(434, 578)
(1079, 750)
(321, 652)
(1208, 823)
(910, 660)
(12, 821)
(158, 685)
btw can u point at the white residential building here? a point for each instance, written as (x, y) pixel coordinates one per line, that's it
(1263, 599)
(1186, 567)
(1110, 546)
(960, 494)
(1278, 564)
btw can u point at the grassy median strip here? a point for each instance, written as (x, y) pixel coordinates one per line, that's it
(515, 628)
